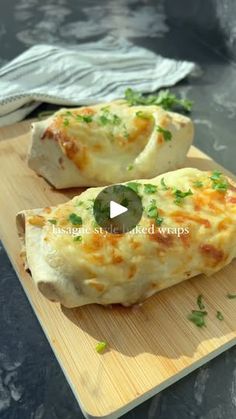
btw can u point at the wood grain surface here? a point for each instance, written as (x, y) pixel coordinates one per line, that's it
(149, 347)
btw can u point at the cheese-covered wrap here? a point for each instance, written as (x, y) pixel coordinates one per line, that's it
(188, 227)
(108, 143)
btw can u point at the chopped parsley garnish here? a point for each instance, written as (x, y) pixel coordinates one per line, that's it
(219, 315)
(141, 114)
(231, 296)
(165, 133)
(215, 175)
(219, 183)
(75, 219)
(164, 98)
(84, 118)
(101, 347)
(159, 220)
(125, 133)
(198, 317)
(77, 239)
(180, 195)
(134, 186)
(200, 302)
(164, 186)
(198, 184)
(221, 186)
(66, 122)
(152, 211)
(52, 221)
(108, 118)
(149, 188)
(130, 167)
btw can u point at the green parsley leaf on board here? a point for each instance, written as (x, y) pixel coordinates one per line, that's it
(149, 188)
(200, 302)
(164, 98)
(198, 317)
(165, 133)
(101, 347)
(75, 219)
(219, 315)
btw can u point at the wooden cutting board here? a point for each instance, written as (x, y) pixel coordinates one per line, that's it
(149, 347)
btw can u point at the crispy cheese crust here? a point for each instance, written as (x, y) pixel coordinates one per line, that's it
(127, 268)
(108, 143)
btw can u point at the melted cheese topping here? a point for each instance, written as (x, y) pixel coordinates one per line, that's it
(107, 265)
(92, 136)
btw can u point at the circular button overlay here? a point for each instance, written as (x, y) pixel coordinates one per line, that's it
(117, 209)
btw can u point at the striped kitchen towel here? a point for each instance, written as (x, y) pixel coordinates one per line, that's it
(82, 75)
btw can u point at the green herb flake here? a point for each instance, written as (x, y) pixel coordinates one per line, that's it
(75, 219)
(134, 186)
(215, 175)
(198, 317)
(219, 315)
(200, 302)
(164, 186)
(101, 347)
(164, 98)
(53, 221)
(198, 184)
(108, 118)
(84, 118)
(219, 183)
(180, 195)
(159, 221)
(77, 238)
(152, 211)
(130, 167)
(149, 188)
(142, 115)
(231, 296)
(165, 133)
(66, 122)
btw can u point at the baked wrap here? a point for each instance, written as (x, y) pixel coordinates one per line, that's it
(108, 143)
(188, 227)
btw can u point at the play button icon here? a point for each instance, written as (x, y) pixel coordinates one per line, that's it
(117, 209)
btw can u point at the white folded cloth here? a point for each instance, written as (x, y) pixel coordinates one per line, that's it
(81, 75)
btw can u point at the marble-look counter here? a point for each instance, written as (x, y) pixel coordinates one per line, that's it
(32, 385)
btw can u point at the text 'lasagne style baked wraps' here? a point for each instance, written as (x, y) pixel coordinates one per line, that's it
(188, 227)
(109, 143)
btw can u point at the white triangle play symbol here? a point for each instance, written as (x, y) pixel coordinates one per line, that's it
(116, 209)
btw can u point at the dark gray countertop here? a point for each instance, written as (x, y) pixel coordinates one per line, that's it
(32, 385)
